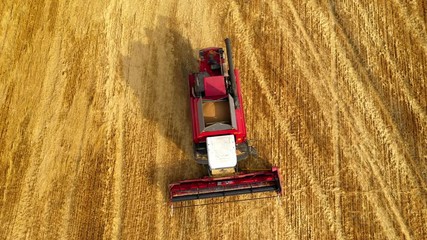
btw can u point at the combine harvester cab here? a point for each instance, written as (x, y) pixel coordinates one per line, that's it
(219, 134)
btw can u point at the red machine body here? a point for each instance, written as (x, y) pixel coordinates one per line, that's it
(217, 112)
(198, 134)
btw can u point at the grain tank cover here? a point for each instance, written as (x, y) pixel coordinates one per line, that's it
(221, 152)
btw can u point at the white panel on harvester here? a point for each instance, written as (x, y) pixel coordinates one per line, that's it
(221, 151)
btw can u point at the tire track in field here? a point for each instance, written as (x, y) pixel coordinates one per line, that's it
(412, 23)
(305, 35)
(366, 152)
(363, 87)
(378, 175)
(388, 137)
(336, 134)
(284, 123)
(415, 106)
(335, 109)
(321, 92)
(409, 98)
(381, 125)
(381, 212)
(374, 37)
(114, 109)
(396, 147)
(367, 157)
(382, 107)
(370, 107)
(324, 88)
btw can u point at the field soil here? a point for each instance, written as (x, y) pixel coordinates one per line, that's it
(95, 120)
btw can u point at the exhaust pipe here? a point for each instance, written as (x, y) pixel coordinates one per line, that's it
(231, 73)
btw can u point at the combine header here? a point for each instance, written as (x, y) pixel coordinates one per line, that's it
(219, 134)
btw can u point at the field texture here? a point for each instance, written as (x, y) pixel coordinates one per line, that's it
(95, 121)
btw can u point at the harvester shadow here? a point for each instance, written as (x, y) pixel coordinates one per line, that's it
(157, 73)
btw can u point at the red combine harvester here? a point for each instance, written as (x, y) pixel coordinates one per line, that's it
(219, 134)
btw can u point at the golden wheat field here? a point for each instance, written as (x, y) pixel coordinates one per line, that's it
(95, 119)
